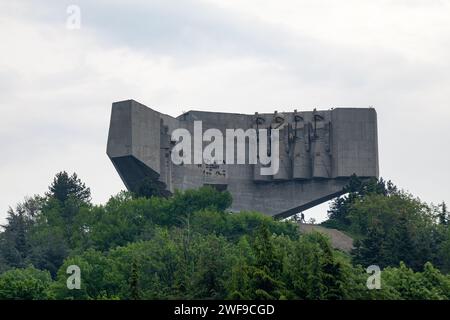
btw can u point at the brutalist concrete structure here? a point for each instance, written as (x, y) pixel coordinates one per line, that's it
(319, 151)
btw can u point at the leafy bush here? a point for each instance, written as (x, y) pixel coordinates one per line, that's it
(24, 284)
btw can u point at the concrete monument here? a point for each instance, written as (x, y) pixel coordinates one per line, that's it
(318, 151)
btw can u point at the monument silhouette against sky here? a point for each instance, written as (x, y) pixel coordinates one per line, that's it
(319, 151)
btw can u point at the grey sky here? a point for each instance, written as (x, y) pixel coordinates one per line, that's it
(57, 85)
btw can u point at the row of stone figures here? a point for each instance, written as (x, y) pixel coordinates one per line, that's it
(304, 148)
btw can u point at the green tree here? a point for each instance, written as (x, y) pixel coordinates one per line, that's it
(150, 187)
(15, 246)
(392, 229)
(65, 186)
(264, 275)
(370, 250)
(24, 284)
(356, 189)
(188, 246)
(135, 293)
(212, 270)
(443, 214)
(240, 271)
(190, 201)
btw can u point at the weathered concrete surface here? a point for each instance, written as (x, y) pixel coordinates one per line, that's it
(339, 240)
(319, 151)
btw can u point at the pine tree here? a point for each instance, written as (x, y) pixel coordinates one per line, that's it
(65, 186)
(370, 250)
(264, 284)
(443, 214)
(134, 281)
(14, 247)
(15, 244)
(264, 251)
(404, 243)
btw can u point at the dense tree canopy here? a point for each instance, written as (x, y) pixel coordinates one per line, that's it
(189, 246)
(392, 226)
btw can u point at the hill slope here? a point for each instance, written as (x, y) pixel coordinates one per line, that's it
(339, 240)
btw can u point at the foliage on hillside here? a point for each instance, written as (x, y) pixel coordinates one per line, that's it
(391, 225)
(188, 246)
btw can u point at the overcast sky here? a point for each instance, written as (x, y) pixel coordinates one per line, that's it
(57, 84)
